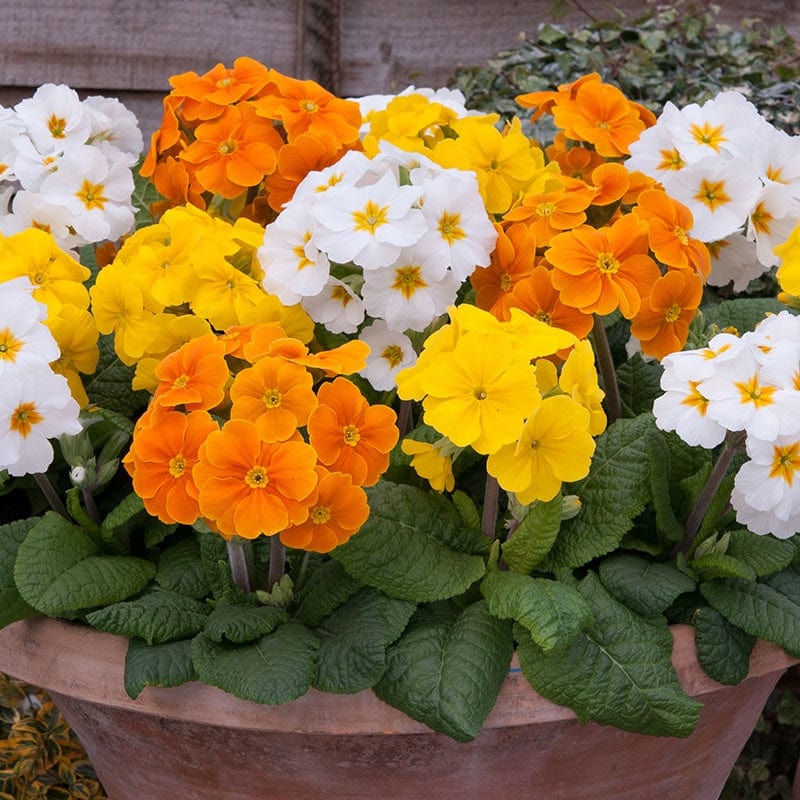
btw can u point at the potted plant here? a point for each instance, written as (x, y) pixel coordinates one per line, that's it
(336, 471)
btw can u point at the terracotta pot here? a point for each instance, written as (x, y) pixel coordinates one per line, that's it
(195, 742)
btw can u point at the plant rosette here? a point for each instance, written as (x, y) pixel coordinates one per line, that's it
(378, 392)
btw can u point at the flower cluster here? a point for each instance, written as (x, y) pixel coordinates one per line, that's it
(65, 166)
(737, 174)
(256, 474)
(744, 384)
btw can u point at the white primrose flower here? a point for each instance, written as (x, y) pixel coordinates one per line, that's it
(293, 265)
(347, 171)
(35, 405)
(734, 259)
(31, 165)
(777, 159)
(10, 126)
(114, 129)
(763, 522)
(720, 194)
(337, 307)
(771, 221)
(413, 291)
(97, 194)
(368, 225)
(34, 210)
(390, 351)
(695, 365)
(54, 117)
(655, 152)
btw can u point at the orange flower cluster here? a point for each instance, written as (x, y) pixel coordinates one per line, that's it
(597, 238)
(248, 432)
(247, 134)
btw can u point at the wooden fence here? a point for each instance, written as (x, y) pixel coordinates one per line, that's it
(129, 48)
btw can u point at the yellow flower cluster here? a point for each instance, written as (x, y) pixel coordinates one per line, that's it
(178, 279)
(58, 279)
(491, 385)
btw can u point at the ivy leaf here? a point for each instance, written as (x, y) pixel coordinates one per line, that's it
(12, 606)
(180, 568)
(524, 550)
(759, 609)
(59, 572)
(723, 650)
(275, 669)
(618, 671)
(168, 664)
(447, 668)
(406, 547)
(326, 589)
(646, 587)
(613, 493)
(552, 612)
(352, 655)
(242, 622)
(157, 617)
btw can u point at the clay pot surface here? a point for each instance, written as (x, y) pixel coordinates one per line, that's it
(195, 742)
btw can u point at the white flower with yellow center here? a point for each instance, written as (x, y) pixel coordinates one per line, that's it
(32, 165)
(389, 352)
(412, 292)
(114, 129)
(368, 225)
(733, 259)
(720, 194)
(777, 159)
(656, 154)
(293, 265)
(771, 221)
(34, 210)
(54, 117)
(337, 307)
(346, 171)
(35, 405)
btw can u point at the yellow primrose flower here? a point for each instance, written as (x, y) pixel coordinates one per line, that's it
(434, 462)
(789, 270)
(411, 122)
(579, 381)
(76, 334)
(555, 446)
(293, 319)
(480, 394)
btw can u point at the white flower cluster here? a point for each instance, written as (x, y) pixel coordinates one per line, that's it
(751, 384)
(739, 176)
(389, 240)
(66, 166)
(35, 403)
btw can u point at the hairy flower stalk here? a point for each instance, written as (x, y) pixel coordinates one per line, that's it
(491, 498)
(605, 362)
(50, 494)
(240, 558)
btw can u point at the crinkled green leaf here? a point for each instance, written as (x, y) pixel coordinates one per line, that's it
(639, 384)
(660, 471)
(742, 313)
(722, 649)
(644, 586)
(58, 570)
(765, 555)
(180, 568)
(326, 589)
(406, 547)
(156, 617)
(243, 622)
(613, 493)
(759, 609)
(534, 537)
(352, 655)
(124, 512)
(109, 385)
(168, 664)
(12, 606)
(447, 668)
(274, 669)
(469, 514)
(720, 565)
(618, 671)
(551, 611)
(214, 560)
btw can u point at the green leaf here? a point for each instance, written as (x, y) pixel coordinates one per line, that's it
(180, 568)
(126, 511)
(326, 589)
(613, 493)
(167, 664)
(214, 560)
(618, 671)
(660, 469)
(552, 612)
(274, 669)
(758, 609)
(468, 512)
(742, 313)
(243, 622)
(157, 617)
(405, 548)
(639, 384)
(352, 655)
(763, 554)
(109, 385)
(722, 649)
(12, 606)
(719, 565)
(534, 537)
(58, 570)
(447, 668)
(646, 587)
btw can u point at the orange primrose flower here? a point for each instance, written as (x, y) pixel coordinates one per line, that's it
(600, 270)
(194, 375)
(350, 435)
(662, 324)
(552, 212)
(337, 509)
(247, 486)
(345, 359)
(161, 460)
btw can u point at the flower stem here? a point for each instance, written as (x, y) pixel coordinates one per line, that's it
(50, 494)
(404, 417)
(240, 557)
(91, 507)
(277, 561)
(491, 497)
(605, 362)
(301, 575)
